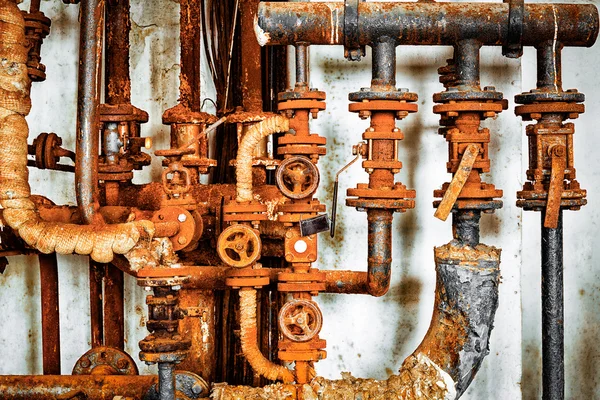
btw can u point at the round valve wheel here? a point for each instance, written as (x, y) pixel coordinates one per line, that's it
(300, 320)
(239, 246)
(297, 177)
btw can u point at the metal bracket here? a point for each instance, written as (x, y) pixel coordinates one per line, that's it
(513, 48)
(353, 51)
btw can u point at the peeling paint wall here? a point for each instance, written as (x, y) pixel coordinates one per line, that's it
(367, 336)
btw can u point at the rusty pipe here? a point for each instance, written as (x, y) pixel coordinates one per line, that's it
(50, 314)
(88, 98)
(117, 78)
(379, 243)
(92, 387)
(425, 23)
(189, 77)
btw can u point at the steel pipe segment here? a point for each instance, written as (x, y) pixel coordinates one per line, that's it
(427, 23)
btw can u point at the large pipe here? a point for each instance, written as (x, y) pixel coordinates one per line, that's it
(379, 245)
(553, 365)
(118, 26)
(425, 23)
(91, 37)
(189, 78)
(90, 387)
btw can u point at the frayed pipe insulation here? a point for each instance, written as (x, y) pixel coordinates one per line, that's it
(425, 23)
(19, 211)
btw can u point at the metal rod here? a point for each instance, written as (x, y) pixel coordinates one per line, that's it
(553, 382)
(166, 381)
(117, 78)
(426, 23)
(87, 140)
(96, 310)
(50, 313)
(113, 310)
(251, 59)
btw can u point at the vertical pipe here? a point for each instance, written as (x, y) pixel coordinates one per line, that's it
(189, 78)
(466, 58)
(166, 381)
(553, 382)
(50, 313)
(96, 311)
(384, 64)
(87, 143)
(379, 250)
(549, 70)
(117, 79)
(250, 58)
(113, 310)
(302, 65)
(465, 226)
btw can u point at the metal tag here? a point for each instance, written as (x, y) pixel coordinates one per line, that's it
(313, 225)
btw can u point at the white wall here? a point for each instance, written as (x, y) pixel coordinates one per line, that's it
(369, 337)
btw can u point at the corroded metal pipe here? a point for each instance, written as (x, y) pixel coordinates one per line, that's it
(553, 331)
(50, 314)
(118, 26)
(92, 387)
(88, 98)
(425, 23)
(379, 244)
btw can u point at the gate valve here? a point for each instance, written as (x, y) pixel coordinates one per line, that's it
(458, 182)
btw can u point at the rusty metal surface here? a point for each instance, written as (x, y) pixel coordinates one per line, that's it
(189, 34)
(419, 23)
(98, 387)
(114, 313)
(90, 56)
(105, 361)
(118, 26)
(50, 314)
(251, 74)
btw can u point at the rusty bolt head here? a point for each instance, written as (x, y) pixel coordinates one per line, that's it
(395, 170)
(197, 388)
(289, 113)
(289, 234)
(122, 363)
(364, 114)
(314, 112)
(288, 257)
(364, 89)
(489, 89)
(489, 114)
(371, 129)
(181, 240)
(85, 362)
(572, 91)
(369, 170)
(181, 217)
(403, 90)
(401, 114)
(536, 116)
(573, 115)
(451, 114)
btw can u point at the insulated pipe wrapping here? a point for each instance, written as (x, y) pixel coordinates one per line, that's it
(19, 211)
(446, 361)
(249, 339)
(253, 136)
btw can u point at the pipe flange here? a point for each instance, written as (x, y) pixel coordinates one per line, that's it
(539, 96)
(488, 93)
(353, 51)
(401, 94)
(105, 361)
(300, 320)
(513, 48)
(187, 384)
(312, 94)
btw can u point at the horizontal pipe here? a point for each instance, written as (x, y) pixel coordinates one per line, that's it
(425, 23)
(93, 387)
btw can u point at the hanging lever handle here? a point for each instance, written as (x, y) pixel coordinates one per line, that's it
(458, 181)
(358, 151)
(557, 176)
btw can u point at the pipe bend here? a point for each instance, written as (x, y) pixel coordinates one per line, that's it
(19, 211)
(452, 351)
